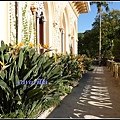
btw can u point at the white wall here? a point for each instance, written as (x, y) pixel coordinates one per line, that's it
(4, 23)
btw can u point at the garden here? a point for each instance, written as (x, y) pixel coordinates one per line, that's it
(22, 62)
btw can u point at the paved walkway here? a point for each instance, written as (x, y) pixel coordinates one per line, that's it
(97, 96)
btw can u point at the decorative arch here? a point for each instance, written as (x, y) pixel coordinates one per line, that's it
(65, 29)
(67, 17)
(75, 26)
(48, 24)
(73, 39)
(51, 40)
(64, 25)
(61, 18)
(52, 9)
(75, 30)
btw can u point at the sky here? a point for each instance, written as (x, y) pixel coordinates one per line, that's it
(85, 20)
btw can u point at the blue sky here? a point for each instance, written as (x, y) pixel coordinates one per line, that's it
(85, 20)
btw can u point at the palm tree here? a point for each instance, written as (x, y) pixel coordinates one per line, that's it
(99, 8)
(100, 5)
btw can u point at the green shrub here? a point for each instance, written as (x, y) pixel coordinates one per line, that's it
(22, 62)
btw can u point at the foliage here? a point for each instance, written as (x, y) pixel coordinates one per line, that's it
(12, 21)
(110, 26)
(28, 23)
(91, 36)
(91, 49)
(110, 31)
(116, 50)
(85, 63)
(100, 5)
(69, 65)
(23, 63)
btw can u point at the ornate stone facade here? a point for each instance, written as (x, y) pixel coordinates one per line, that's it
(63, 16)
(59, 28)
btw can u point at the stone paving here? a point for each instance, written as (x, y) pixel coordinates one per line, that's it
(96, 97)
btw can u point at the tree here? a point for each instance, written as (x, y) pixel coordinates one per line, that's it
(80, 42)
(100, 5)
(86, 48)
(88, 42)
(110, 30)
(110, 39)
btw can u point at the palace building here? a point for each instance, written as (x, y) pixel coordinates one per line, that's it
(46, 22)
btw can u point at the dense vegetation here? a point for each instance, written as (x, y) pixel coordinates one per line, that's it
(110, 37)
(23, 63)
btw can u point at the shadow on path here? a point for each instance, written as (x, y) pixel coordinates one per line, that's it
(97, 96)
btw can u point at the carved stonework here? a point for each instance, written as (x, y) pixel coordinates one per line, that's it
(72, 37)
(69, 35)
(61, 29)
(54, 24)
(41, 9)
(76, 40)
(34, 8)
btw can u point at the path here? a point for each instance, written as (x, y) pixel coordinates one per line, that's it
(97, 96)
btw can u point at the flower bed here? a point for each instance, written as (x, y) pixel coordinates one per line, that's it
(22, 62)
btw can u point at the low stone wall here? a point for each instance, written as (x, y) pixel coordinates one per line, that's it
(114, 68)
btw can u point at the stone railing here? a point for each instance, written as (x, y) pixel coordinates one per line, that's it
(114, 68)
